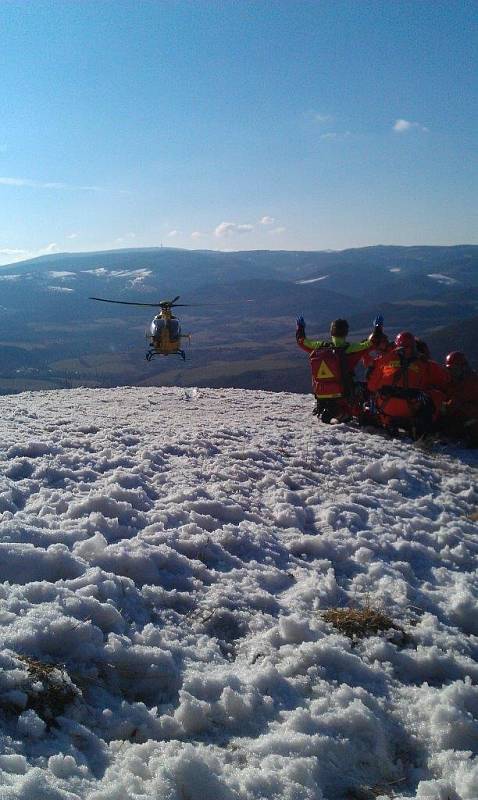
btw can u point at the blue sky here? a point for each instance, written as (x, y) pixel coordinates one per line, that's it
(274, 124)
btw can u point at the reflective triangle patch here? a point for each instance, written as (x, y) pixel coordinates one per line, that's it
(324, 371)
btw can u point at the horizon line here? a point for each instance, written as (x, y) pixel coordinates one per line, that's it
(80, 253)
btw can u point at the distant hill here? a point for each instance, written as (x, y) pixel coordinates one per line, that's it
(462, 335)
(241, 310)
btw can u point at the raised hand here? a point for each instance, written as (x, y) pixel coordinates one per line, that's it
(300, 328)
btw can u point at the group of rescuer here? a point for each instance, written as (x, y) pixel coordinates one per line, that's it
(405, 389)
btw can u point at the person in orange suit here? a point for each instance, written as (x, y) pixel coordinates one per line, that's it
(408, 390)
(461, 417)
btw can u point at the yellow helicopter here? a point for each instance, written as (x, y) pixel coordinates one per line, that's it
(165, 330)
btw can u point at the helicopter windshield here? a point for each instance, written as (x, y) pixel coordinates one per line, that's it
(157, 325)
(174, 329)
(172, 326)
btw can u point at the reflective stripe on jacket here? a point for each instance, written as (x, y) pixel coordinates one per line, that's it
(353, 350)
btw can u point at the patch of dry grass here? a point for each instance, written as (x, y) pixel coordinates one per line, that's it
(372, 792)
(51, 689)
(357, 623)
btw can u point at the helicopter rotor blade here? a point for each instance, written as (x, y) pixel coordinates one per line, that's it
(170, 303)
(124, 302)
(214, 305)
(218, 305)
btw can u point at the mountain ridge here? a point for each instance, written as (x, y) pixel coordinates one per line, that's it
(45, 308)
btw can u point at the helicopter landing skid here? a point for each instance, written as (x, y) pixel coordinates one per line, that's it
(151, 353)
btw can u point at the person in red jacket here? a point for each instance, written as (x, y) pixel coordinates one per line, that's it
(332, 364)
(385, 346)
(461, 417)
(408, 390)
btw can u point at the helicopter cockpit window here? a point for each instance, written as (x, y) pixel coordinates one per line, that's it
(157, 326)
(174, 329)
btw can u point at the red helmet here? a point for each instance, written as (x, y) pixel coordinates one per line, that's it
(406, 341)
(456, 360)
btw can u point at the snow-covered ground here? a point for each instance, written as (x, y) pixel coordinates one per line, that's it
(173, 553)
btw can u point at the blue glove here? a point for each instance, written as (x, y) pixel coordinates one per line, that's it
(300, 328)
(423, 398)
(377, 333)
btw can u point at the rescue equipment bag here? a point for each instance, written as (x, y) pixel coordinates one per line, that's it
(330, 375)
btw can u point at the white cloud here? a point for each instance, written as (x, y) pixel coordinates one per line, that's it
(27, 182)
(232, 229)
(323, 118)
(403, 125)
(335, 135)
(31, 184)
(11, 251)
(277, 231)
(50, 248)
(267, 221)
(72, 236)
(173, 233)
(60, 289)
(12, 255)
(197, 235)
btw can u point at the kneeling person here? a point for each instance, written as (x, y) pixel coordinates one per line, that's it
(461, 417)
(332, 364)
(409, 391)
